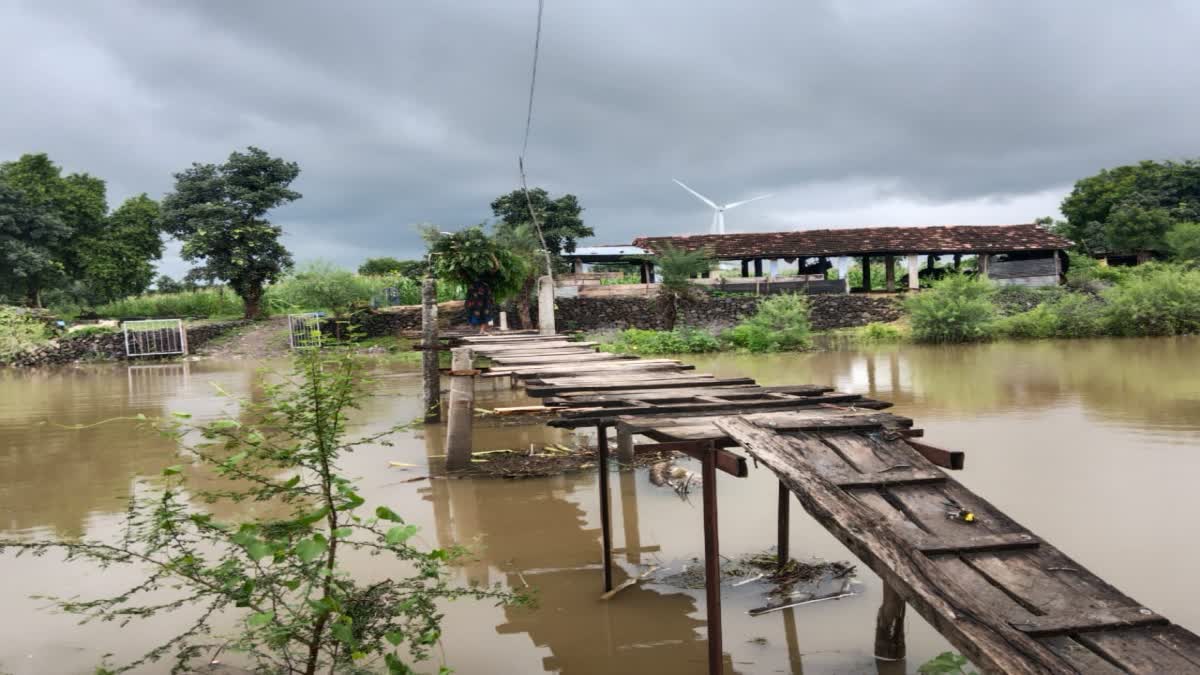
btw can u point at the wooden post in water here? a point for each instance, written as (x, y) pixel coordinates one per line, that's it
(784, 525)
(605, 505)
(429, 356)
(712, 561)
(625, 449)
(461, 412)
(889, 626)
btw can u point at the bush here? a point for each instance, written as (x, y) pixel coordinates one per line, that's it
(213, 302)
(650, 342)
(1037, 323)
(1014, 299)
(1184, 241)
(88, 331)
(957, 309)
(319, 286)
(1078, 316)
(879, 332)
(779, 324)
(1162, 301)
(19, 332)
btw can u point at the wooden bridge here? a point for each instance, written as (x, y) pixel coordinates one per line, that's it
(1004, 597)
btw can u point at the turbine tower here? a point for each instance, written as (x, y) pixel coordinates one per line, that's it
(718, 222)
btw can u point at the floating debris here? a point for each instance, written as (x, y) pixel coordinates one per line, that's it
(796, 580)
(669, 474)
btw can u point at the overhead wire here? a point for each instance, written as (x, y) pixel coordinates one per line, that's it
(537, 44)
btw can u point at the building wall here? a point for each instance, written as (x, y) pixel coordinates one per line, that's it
(617, 313)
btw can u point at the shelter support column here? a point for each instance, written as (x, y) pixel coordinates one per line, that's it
(957, 261)
(889, 273)
(461, 411)
(983, 260)
(914, 272)
(758, 267)
(745, 267)
(578, 267)
(931, 262)
(889, 626)
(866, 273)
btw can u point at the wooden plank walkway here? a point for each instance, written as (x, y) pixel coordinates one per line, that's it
(1003, 596)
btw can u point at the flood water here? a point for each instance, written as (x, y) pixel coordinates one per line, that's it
(1094, 445)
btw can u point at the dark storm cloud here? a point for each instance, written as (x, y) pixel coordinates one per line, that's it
(401, 113)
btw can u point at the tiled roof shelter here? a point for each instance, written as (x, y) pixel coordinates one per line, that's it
(942, 239)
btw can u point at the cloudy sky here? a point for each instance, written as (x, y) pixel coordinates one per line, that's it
(852, 113)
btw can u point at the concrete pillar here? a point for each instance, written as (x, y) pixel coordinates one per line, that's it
(866, 273)
(460, 411)
(432, 382)
(914, 272)
(774, 268)
(546, 305)
(745, 268)
(983, 260)
(503, 320)
(889, 273)
(578, 266)
(758, 267)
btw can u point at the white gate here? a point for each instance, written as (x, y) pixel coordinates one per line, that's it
(156, 337)
(304, 331)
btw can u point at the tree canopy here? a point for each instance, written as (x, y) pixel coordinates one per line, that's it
(31, 239)
(560, 218)
(117, 261)
(1131, 208)
(379, 267)
(219, 212)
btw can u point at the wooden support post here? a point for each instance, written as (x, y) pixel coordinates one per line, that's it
(546, 305)
(914, 272)
(758, 267)
(629, 517)
(930, 261)
(625, 450)
(866, 274)
(745, 267)
(461, 410)
(645, 274)
(429, 357)
(605, 505)
(712, 561)
(889, 273)
(957, 261)
(785, 496)
(889, 626)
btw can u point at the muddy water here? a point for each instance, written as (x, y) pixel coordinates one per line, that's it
(1094, 445)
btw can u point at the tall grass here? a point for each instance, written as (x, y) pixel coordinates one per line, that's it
(19, 332)
(208, 302)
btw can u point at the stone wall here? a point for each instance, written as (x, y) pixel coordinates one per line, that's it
(108, 346)
(717, 312)
(394, 320)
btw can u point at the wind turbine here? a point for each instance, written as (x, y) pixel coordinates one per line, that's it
(718, 223)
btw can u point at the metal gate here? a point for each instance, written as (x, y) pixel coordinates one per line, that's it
(388, 297)
(304, 331)
(156, 337)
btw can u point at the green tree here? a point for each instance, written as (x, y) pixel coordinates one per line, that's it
(559, 219)
(117, 261)
(1131, 208)
(32, 237)
(522, 240)
(219, 212)
(1184, 241)
(677, 267)
(380, 267)
(165, 284)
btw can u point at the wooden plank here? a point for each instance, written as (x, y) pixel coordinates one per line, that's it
(729, 462)
(551, 388)
(1138, 651)
(847, 481)
(1054, 589)
(1079, 657)
(547, 370)
(942, 546)
(1106, 618)
(579, 357)
(972, 627)
(685, 393)
(709, 407)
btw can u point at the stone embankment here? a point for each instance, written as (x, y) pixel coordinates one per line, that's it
(716, 312)
(107, 346)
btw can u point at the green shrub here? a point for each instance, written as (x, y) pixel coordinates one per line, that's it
(319, 286)
(209, 302)
(956, 309)
(650, 342)
(19, 332)
(1078, 316)
(879, 332)
(779, 324)
(88, 331)
(1184, 241)
(1038, 323)
(1164, 300)
(1014, 298)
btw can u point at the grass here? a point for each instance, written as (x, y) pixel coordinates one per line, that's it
(208, 303)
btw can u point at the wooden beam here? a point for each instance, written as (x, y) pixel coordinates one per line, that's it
(971, 626)
(947, 459)
(553, 388)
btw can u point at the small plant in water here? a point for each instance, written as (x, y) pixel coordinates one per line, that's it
(298, 609)
(946, 663)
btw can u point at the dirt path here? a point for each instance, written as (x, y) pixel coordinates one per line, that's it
(261, 340)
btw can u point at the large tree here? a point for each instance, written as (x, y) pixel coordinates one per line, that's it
(219, 212)
(1131, 208)
(381, 267)
(559, 218)
(118, 260)
(31, 240)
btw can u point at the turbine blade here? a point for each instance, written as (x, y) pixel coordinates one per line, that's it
(699, 196)
(747, 201)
